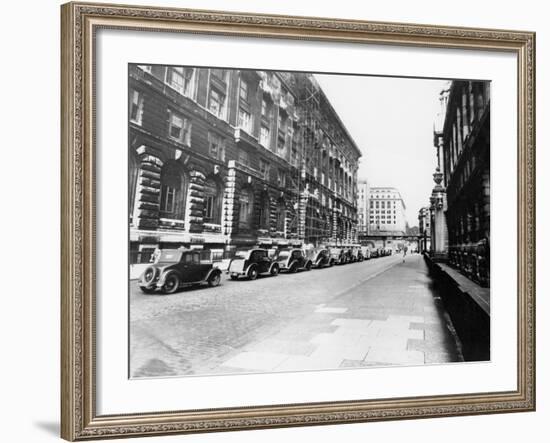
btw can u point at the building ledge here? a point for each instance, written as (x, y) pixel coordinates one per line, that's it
(480, 295)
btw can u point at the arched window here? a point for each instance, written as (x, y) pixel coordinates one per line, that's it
(281, 215)
(212, 202)
(172, 191)
(246, 205)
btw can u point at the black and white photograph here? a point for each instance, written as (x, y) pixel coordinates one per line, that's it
(303, 221)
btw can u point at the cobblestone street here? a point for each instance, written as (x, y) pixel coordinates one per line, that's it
(379, 312)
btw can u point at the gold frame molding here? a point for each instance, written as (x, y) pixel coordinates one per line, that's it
(79, 21)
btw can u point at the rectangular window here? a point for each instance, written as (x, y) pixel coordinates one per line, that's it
(208, 207)
(281, 178)
(180, 79)
(167, 199)
(245, 121)
(280, 122)
(264, 136)
(264, 169)
(265, 109)
(243, 90)
(281, 146)
(216, 103)
(243, 157)
(136, 107)
(216, 146)
(179, 128)
(294, 157)
(290, 134)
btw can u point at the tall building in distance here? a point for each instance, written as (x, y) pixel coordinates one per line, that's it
(386, 212)
(363, 192)
(222, 158)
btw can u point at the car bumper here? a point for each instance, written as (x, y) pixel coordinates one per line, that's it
(150, 286)
(236, 273)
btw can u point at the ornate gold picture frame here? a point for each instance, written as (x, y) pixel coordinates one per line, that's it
(79, 417)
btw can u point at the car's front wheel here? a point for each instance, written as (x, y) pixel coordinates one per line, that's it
(252, 273)
(274, 270)
(308, 266)
(214, 279)
(171, 284)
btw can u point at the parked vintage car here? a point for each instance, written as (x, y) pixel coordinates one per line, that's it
(356, 254)
(339, 256)
(320, 257)
(176, 268)
(375, 253)
(292, 260)
(251, 263)
(365, 251)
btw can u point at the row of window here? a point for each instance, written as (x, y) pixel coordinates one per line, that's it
(469, 102)
(382, 204)
(184, 80)
(172, 204)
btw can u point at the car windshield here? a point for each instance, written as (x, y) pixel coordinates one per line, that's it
(169, 256)
(312, 252)
(241, 254)
(282, 255)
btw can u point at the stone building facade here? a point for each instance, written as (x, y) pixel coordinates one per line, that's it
(424, 229)
(463, 178)
(220, 159)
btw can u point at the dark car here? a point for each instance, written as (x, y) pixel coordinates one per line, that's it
(339, 256)
(176, 268)
(319, 257)
(251, 263)
(375, 253)
(292, 260)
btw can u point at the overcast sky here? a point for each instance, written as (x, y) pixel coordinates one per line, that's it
(391, 121)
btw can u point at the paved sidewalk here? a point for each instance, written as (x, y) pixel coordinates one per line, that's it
(391, 318)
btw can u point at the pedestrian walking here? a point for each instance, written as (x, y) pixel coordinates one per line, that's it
(404, 252)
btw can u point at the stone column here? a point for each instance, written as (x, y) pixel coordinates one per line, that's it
(334, 235)
(147, 201)
(272, 216)
(439, 225)
(230, 218)
(195, 202)
(302, 212)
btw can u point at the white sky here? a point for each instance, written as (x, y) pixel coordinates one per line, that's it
(391, 121)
